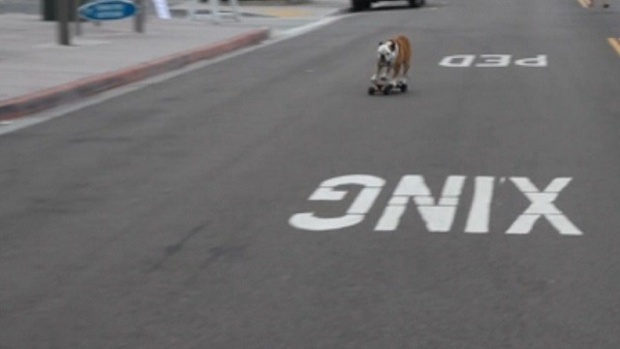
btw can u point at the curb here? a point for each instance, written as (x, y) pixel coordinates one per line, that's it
(73, 91)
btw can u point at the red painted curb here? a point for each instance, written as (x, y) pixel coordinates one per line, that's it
(73, 91)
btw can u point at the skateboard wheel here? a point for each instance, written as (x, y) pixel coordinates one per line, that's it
(372, 90)
(387, 89)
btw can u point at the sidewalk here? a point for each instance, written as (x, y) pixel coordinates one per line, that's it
(36, 73)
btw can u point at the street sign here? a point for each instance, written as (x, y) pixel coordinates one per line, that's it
(107, 10)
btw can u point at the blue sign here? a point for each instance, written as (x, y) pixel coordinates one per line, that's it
(107, 10)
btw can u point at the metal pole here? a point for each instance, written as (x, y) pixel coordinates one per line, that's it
(139, 17)
(192, 10)
(215, 11)
(78, 23)
(63, 23)
(236, 10)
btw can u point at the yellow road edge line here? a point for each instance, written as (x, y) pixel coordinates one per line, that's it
(584, 3)
(615, 44)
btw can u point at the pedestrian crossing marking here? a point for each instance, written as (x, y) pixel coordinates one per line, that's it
(437, 210)
(585, 3)
(615, 44)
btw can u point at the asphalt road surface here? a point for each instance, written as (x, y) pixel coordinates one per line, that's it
(266, 201)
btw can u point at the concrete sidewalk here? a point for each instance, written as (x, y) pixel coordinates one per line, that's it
(36, 73)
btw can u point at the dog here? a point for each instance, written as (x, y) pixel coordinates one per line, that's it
(392, 55)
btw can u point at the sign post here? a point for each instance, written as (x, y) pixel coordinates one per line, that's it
(138, 22)
(75, 4)
(63, 23)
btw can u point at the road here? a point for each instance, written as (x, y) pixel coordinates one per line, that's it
(266, 201)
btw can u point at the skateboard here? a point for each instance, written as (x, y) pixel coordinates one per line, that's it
(386, 88)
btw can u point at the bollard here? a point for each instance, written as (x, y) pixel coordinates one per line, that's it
(139, 17)
(63, 23)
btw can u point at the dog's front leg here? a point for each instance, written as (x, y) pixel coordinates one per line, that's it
(395, 72)
(375, 76)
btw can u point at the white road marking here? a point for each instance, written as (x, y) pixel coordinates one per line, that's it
(438, 217)
(439, 213)
(326, 192)
(480, 211)
(542, 206)
(492, 61)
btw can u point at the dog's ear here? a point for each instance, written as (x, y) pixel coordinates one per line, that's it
(380, 43)
(392, 46)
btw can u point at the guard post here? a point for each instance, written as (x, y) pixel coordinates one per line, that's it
(63, 22)
(139, 16)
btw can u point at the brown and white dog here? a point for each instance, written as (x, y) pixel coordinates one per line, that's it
(392, 55)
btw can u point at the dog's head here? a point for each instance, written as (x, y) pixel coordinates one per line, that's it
(387, 52)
